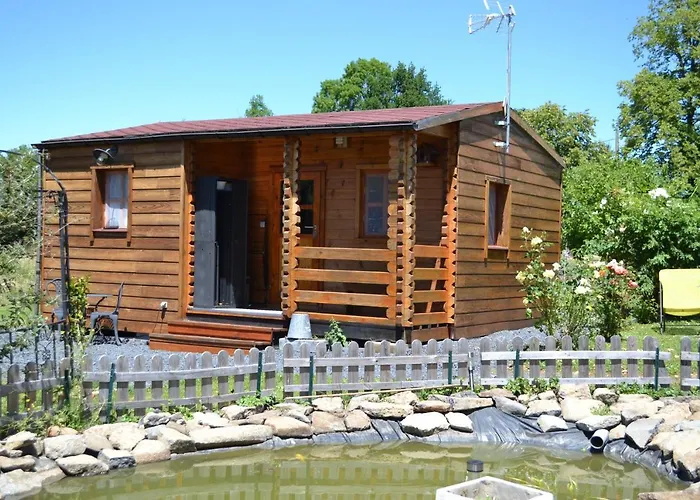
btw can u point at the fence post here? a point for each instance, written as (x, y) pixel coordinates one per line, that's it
(656, 370)
(516, 366)
(449, 367)
(110, 391)
(258, 389)
(311, 373)
(66, 388)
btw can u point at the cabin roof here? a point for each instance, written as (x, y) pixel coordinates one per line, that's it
(417, 118)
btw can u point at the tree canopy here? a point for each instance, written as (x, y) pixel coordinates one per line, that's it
(257, 107)
(374, 84)
(18, 195)
(659, 118)
(571, 134)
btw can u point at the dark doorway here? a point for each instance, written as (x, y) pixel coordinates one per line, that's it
(221, 229)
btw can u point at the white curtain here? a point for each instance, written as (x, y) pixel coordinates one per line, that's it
(116, 211)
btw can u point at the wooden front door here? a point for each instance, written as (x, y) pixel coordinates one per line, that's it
(310, 195)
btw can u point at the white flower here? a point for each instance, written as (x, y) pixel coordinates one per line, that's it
(549, 274)
(622, 229)
(658, 193)
(582, 290)
(525, 301)
(584, 282)
(536, 241)
(556, 266)
(603, 202)
(526, 230)
(520, 276)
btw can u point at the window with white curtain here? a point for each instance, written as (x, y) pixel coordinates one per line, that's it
(375, 203)
(116, 199)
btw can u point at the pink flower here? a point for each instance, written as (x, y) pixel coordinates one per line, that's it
(621, 271)
(632, 284)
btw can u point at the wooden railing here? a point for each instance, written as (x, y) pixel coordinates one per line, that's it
(313, 268)
(430, 300)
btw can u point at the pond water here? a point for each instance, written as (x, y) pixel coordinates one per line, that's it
(385, 471)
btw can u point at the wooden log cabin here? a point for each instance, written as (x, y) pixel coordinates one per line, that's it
(398, 223)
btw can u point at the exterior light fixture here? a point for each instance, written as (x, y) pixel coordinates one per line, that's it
(105, 156)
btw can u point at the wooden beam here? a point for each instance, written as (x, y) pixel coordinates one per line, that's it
(343, 298)
(355, 254)
(444, 131)
(396, 145)
(290, 221)
(407, 193)
(480, 110)
(449, 223)
(185, 215)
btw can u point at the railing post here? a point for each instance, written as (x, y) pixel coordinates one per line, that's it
(260, 370)
(66, 388)
(516, 366)
(656, 370)
(449, 367)
(311, 373)
(110, 391)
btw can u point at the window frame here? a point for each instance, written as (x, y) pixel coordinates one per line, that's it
(361, 206)
(97, 197)
(502, 247)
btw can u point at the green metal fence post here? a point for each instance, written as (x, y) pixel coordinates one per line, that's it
(656, 370)
(66, 388)
(260, 369)
(516, 367)
(311, 374)
(110, 391)
(449, 368)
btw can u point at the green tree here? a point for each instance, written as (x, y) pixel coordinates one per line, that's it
(659, 117)
(257, 107)
(18, 196)
(374, 84)
(571, 134)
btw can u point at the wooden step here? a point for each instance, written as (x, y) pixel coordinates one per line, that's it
(198, 343)
(212, 336)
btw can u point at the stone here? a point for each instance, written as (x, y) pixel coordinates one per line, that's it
(127, 437)
(617, 432)
(19, 484)
(694, 405)
(323, 423)
(573, 409)
(50, 476)
(385, 410)
(151, 419)
(497, 392)
(687, 425)
(640, 432)
(288, 427)
(634, 398)
(154, 432)
(82, 465)
(191, 425)
(57, 430)
(688, 444)
(108, 429)
(430, 405)
(689, 466)
(210, 419)
(509, 406)
(460, 422)
(424, 424)
(25, 463)
(332, 405)
(179, 426)
(543, 407)
(4, 452)
(237, 412)
(20, 440)
(285, 408)
(546, 395)
(402, 398)
(526, 398)
(632, 412)
(468, 405)
(605, 395)
(298, 415)
(230, 436)
(550, 423)
(575, 391)
(356, 401)
(117, 459)
(64, 446)
(149, 451)
(95, 443)
(260, 418)
(690, 493)
(42, 464)
(35, 449)
(596, 422)
(176, 442)
(673, 414)
(357, 420)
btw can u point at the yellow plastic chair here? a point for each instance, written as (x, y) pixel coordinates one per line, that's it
(679, 294)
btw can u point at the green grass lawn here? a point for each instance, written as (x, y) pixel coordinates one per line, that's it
(670, 341)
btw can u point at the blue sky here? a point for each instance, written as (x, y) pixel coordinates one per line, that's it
(73, 67)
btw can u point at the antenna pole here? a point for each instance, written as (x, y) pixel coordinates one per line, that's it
(511, 25)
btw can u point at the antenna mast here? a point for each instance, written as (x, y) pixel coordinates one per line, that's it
(479, 22)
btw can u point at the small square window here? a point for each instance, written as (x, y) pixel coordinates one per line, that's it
(497, 219)
(375, 203)
(111, 197)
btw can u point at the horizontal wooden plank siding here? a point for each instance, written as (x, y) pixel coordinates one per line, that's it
(148, 264)
(488, 298)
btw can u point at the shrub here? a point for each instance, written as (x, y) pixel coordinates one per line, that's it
(335, 334)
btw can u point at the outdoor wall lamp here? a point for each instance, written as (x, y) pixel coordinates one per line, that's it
(105, 156)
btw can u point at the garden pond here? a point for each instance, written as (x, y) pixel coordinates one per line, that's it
(384, 471)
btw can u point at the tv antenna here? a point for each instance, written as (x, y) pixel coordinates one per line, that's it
(478, 22)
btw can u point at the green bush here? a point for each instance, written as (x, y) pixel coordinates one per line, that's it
(335, 334)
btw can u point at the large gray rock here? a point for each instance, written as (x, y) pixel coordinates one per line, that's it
(210, 419)
(357, 420)
(332, 405)
(468, 405)
(509, 406)
(149, 451)
(82, 465)
(573, 409)
(690, 493)
(595, 422)
(237, 412)
(127, 437)
(575, 391)
(324, 423)
(117, 459)
(605, 395)
(260, 418)
(684, 446)
(19, 484)
(431, 405)
(385, 410)
(95, 443)
(634, 398)
(4, 452)
(543, 407)
(689, 466)
(694, 405)
(497, 392)
(617, 432)
(460, 422)
(526, 398)
(20, 440)
(176, 442)
(288, 427)
(640, 432)
(424, 424)
(25, 463)
(402, 398)
(286, 408)
(687, 425)
(550, 423)
(546, 395)
(50, 476)
(636, 411)
(230, 436)
(356, 401)
(42, 464)
(673, 414)
(64, 446)
(106, 430)
(151, 419)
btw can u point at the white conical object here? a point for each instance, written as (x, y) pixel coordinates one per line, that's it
(299, 327)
